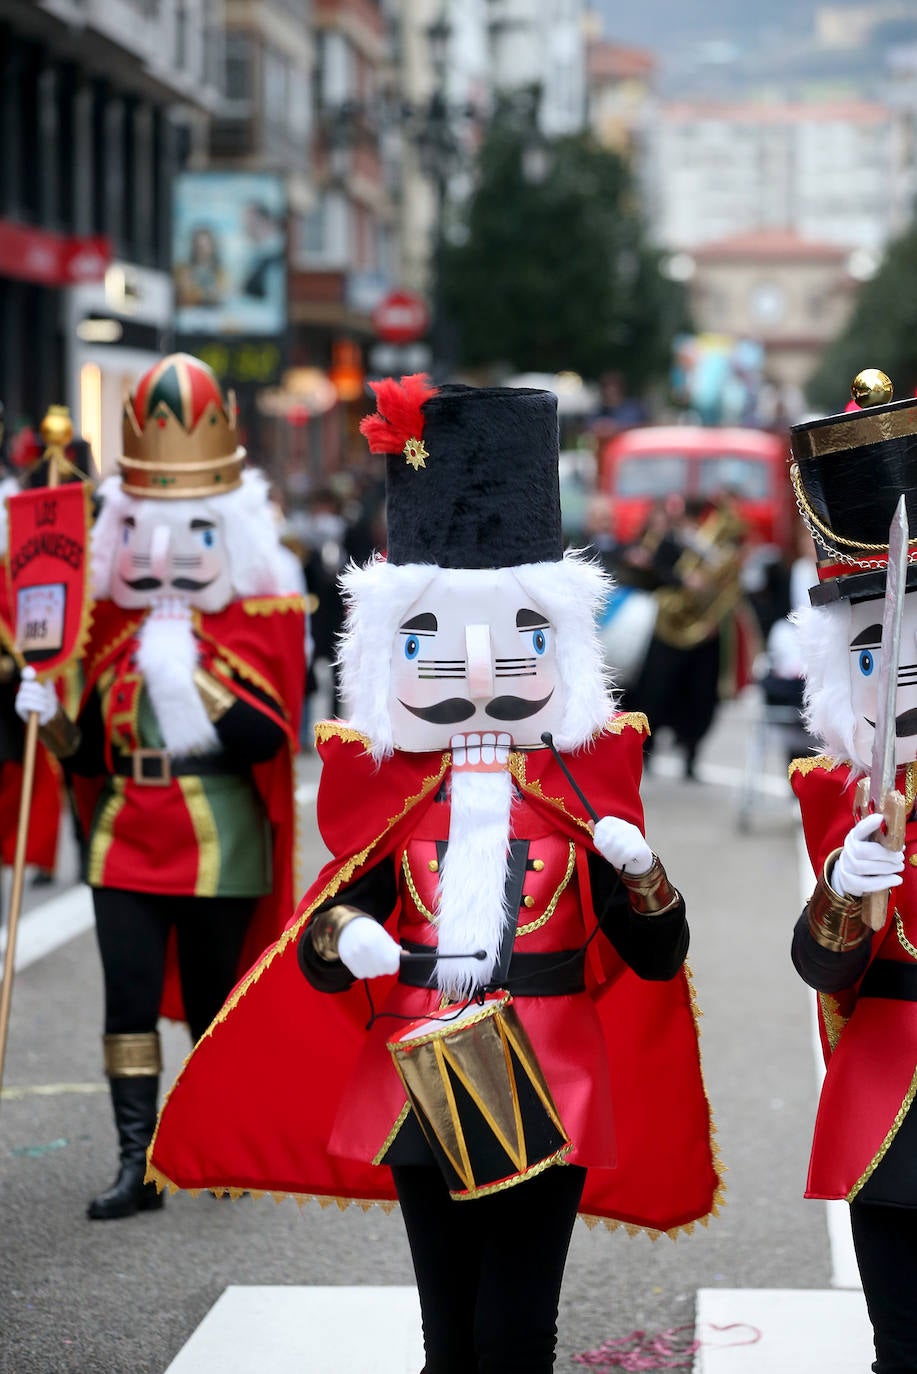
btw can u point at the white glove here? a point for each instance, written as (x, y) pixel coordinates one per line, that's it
(35, 696)
(622, 845)
(367, 950)
(864, 865)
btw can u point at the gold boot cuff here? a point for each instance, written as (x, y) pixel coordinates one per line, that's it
(835, 922)
(326, 928)
(650, 893)
(60, 735)
(132, 1056)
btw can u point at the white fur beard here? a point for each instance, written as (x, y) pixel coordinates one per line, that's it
(470, 912)
(167, 658)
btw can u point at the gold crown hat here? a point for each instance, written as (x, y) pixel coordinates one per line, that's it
(180, 434)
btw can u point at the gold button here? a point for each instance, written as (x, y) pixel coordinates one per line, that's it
(433, 865)
(528, 901)
(538, 865)
(912, 860)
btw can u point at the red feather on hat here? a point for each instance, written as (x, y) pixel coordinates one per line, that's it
(399, 414)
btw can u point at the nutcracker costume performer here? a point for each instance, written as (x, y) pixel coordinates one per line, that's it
(181, 754)
(466, 866)
(858, 950)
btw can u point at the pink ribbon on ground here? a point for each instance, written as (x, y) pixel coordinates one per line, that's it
(671, 1349)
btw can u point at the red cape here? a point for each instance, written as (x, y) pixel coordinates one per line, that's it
(870, 1045)
(254, 1105)
(262, 640)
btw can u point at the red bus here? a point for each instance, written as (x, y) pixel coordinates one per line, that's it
(640, 467)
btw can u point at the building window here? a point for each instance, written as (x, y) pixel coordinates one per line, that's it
(237, 83)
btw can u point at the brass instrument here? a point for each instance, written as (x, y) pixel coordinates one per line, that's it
(712, 560)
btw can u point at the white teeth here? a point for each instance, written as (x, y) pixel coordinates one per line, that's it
(458, 750)
(504, 741)
(501, 753)
(474, 753)
(473, 740)
(488, 752)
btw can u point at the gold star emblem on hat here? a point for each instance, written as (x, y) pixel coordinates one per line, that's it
(415, 452)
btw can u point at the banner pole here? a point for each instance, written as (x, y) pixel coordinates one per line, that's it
(53, 453)
(22, 835)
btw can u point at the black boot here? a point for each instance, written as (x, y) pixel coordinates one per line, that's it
(134, 1102)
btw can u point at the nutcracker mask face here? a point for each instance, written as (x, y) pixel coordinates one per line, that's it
(474, 656)
(174, 549)
(865, 644)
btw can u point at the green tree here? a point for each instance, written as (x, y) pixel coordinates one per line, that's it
(882, 331)
(553, 272)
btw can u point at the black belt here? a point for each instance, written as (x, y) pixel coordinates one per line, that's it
(889, 978)
(157, 767)
(556, 974)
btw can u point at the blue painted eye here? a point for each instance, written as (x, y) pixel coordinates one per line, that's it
(867, 662)
(208, 538)
(411, 646)
(125, 535)
(539, 641)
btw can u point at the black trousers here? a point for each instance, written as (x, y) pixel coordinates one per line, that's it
(133, 929)
(489, 1271)
(885, 1240)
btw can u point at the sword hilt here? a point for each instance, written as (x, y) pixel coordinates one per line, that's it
(890, 836)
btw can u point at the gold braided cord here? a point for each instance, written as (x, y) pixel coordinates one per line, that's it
(903, 941)
(892, 1132)
(549, 910)
(831, 539)
(415, 895)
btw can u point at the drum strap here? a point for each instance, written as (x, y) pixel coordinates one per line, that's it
(557, 973)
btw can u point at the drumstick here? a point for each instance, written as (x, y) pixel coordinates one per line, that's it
(409, 954)
(548, 739)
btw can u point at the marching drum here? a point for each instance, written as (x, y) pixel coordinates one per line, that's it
(480, 1096)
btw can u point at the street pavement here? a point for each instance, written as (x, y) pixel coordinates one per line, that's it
(125, 1297)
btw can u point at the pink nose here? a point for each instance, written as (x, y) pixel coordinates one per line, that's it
(479, 656)
(159, 551)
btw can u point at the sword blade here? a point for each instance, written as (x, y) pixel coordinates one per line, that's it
(882, 773)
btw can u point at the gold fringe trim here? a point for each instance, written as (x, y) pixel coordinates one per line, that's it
(892, 1132)
(516, 764)
(489, 1189)
(340, 879)
(118, 642)
(834, 1021)
(627, 720)
(334, 729)
(807, 764)
(270, 605)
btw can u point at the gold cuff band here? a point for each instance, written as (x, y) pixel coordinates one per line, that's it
(835, 922)
(216, 697)
(650, 893)
(132, 1056)
(61, 735)
(326, 928)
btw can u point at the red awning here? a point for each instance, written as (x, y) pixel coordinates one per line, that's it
(37, 255)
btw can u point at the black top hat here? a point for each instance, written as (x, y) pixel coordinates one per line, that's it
(849, 472)
(471, 473)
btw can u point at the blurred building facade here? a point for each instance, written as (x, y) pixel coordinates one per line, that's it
(773, 213)
(94, 99)
(790, 294)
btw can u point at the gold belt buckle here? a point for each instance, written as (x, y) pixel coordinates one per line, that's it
(162, 779)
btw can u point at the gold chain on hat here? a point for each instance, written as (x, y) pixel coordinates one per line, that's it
(815, 526)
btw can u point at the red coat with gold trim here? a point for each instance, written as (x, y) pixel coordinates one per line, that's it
(870, 1043)
(153, 842)
(287, 1094)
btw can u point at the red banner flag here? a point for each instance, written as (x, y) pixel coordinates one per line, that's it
(47, 571)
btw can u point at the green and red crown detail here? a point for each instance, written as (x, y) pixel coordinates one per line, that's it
(180, 436)
(182, 385)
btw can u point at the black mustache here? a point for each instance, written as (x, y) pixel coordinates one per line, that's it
(188, 584)
(182, 584)
(905, 724)
(456, 709)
